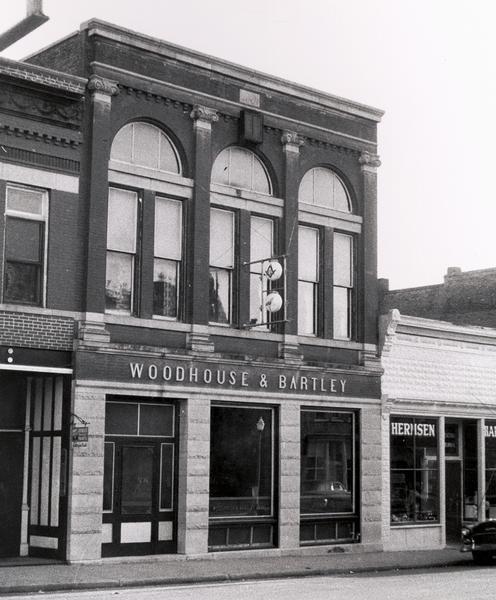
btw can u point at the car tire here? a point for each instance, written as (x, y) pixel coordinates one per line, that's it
(482, 558)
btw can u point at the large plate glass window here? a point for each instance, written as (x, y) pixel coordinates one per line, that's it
(26, 214)
(221, 265)
(168, 254)
(328, 477)
(241, 477)
(308, 279)
(121, 250)
(414, 470)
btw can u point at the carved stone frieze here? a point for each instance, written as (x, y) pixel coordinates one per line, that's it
(69, 111)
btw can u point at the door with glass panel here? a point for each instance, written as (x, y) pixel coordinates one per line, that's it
(139, 496)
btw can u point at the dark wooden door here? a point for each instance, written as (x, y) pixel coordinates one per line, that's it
(141, 517)
(453, 501)
(11, 473)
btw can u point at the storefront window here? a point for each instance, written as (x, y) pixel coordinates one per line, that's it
(241, 462)
(414, 470)
(490, 444)
(470, 478)
(327, 462)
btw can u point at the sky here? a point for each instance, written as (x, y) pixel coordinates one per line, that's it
(429, 64)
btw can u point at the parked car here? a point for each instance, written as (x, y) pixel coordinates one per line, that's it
(480, 539)
(325, 496)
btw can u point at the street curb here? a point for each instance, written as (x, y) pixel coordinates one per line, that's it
(221, 578)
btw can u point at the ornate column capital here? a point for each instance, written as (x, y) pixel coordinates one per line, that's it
(369, 162)
(204, 116)
(292, 141)
(102, 87)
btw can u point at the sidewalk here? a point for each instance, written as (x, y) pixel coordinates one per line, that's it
(226, 567)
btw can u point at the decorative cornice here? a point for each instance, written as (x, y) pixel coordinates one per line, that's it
(369, 161)
(30, 134)
(42, 76)
(388, 325)
(291, 138)
(203, 113)
(101, 85)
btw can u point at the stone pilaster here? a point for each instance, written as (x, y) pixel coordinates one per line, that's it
(289, 476)
(86, 480)
(199, 218)
(94, 185)
(369, 164)
(194, 476)
(292, 144)
(371, 476)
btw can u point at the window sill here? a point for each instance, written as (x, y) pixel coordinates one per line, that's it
(414, 525)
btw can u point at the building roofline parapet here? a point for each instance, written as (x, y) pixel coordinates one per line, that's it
(226, 68)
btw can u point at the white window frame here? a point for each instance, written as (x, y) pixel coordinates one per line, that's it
(42, 218)
(178, 262)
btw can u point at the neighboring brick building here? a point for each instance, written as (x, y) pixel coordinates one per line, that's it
(213, 403)
(465, 298)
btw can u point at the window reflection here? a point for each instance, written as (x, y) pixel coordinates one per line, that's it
(327, 467)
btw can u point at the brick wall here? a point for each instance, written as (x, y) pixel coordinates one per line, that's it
(36, 331)
(464, 298)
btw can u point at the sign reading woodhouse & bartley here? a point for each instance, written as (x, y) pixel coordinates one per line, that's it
(248, 377)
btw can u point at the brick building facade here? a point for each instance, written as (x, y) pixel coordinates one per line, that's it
(180, 394)
(464, 298)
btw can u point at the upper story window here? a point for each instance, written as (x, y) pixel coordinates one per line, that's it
(145, 145)
(167, 256)
(323, 188)
(121, 250)
(308, 279)
(326, 264)
(240, 168)
(221, 265)
(145, 224)
(261, 249)
(26, 215)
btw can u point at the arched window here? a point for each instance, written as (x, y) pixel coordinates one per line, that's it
(241, 168)
(322, 187)
(145, 145)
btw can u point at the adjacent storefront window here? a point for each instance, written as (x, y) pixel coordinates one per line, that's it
(490, 444)
(414, 470)
(241, 462)
(328, 477)
(241, 477)
(327, 467)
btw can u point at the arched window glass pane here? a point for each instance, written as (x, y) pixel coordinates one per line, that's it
(122, 146)
(322, 187)
(147, 146)
(241, 168)
(145, 150)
